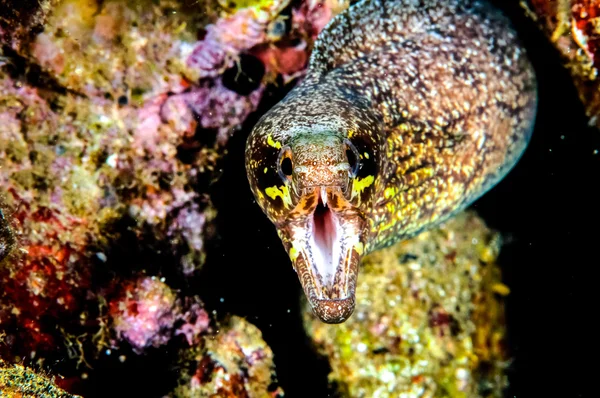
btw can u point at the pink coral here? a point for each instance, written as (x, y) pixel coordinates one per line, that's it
(224, 40)
(143, 316)
(189, 224)
(312, 16)
(211, 105)
(146, 136)
(48, 53)
(178, 115)
(147, 311)
(196, 323)
(220, 108)
(288, 60)
(248, 28)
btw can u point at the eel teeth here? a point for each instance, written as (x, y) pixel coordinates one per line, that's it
(324, 196)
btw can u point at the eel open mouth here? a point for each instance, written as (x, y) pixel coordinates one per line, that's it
(329, 249)
(325, 243)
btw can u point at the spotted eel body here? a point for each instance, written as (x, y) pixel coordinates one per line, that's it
(410, 111)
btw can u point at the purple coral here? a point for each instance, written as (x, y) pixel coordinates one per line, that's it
(147, 312)
(220, 108)
(196, 322)
(224, 40)
(143, 316)
(211, 105)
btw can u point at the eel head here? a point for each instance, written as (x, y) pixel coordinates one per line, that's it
(309, 188)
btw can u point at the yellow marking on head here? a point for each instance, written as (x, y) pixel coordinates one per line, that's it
(293, 253)
(282, 192)
(351, 133)
(390, 192)
(360, 184)
(265, 170)
(273, 143)
(360, 248)
(367, 155)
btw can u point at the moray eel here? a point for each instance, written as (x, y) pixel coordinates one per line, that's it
(409, 111)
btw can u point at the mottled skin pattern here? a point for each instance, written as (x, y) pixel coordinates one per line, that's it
(436, 97)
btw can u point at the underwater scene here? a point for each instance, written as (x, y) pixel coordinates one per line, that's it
(299, 198)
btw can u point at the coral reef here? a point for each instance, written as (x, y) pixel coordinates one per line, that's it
(115, 116)
(235, 363)
(17, 381)
(231, 35)
(89, 155)
(147, 311)
(429, 319)
(573, 26)
(21, 19)
(7, 239)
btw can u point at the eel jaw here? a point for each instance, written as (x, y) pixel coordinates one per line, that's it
(326, 248)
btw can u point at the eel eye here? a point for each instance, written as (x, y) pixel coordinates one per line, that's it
(353, 157)
(284, 164)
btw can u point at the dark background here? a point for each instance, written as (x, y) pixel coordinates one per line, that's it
(546, 208)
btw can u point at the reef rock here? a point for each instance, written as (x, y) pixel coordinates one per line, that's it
(573, 27)
(234, 363)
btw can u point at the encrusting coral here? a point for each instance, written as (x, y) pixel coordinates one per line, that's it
(109, 137)
(234, 363)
